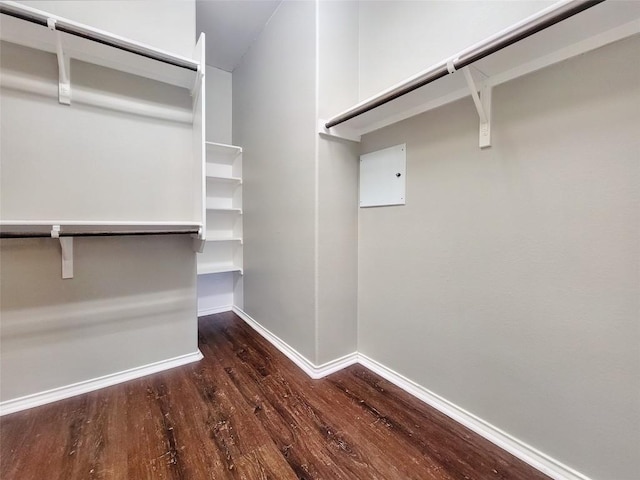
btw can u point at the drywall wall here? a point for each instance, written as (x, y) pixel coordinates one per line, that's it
(337, 184)
(509, 284)
(219, 111)
(401, 38)
(132, 301)
(300, 189)
(274, 121)
(215, 293)
(103, 185)
(166, 24)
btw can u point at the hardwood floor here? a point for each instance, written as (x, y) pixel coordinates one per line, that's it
(246, 412)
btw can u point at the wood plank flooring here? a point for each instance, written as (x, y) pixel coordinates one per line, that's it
(246, 412)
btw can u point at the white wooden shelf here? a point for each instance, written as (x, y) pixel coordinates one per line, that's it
(595, 27)
(213, 208)
(224, 148)
(29, 27)
(206, 269)
(230, 180)
(224, 239)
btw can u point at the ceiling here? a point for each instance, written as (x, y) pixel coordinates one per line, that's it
(230, 27)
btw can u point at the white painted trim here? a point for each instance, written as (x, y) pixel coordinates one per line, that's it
(213, 310)
(60, 393)
(313, 371)
(534, 457)
(335, 365)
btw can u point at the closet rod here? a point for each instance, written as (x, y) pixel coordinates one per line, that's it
(95, 234)
(490, 46)
(71, 29)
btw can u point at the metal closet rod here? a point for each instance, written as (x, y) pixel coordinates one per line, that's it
(95, 234)
(64, 27)
(470, 57)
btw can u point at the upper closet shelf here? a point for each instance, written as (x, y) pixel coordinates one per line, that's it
(564, 30)
(66, 228)
(43, 31)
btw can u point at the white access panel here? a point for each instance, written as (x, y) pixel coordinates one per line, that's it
(382, 177)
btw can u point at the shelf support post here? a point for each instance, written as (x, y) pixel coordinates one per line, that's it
(66, 246)
(482, 102)
(64, 66)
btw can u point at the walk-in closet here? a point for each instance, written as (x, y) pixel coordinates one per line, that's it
(285, 239)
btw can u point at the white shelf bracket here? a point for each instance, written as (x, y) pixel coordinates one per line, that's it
(482, 101)
(339, 132)
(66, 246)
(64, 66)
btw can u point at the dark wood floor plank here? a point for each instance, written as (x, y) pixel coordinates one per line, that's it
(150, 456)
(290, 433)
(265, 463)
(333, 447)
(246, 412)
(191, 444)
(433, 435)
(336, 442)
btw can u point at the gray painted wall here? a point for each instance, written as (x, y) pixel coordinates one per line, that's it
(131, 303)
(509, 284)
(219, 110)
(337, 183)
(133, 300)
(166, 24)
(300, 190)
(274, 121)
(399, 38)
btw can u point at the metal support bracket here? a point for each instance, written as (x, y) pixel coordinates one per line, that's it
(66, 246)
(482, 102)
(64, 66)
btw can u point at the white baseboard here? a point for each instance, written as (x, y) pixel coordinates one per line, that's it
(213, 310)
(60, 393)
(530, 455)
(537, 459)
(314, 371)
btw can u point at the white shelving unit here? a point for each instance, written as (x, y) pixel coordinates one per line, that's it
(222, 251)
(40, 31)
(447, 81)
